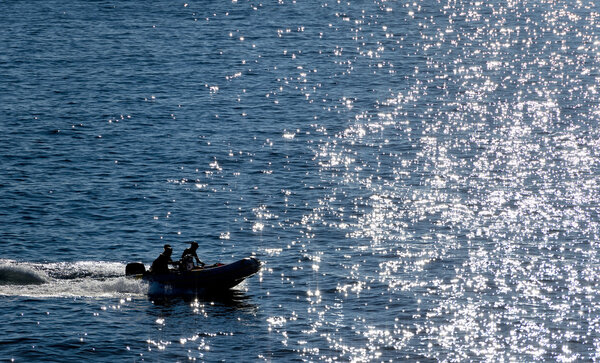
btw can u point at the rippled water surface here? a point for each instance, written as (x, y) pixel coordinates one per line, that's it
(419, 178)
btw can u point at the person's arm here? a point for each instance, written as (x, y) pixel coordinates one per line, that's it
(198, 260)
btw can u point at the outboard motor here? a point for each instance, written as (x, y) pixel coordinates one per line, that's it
(135, 268)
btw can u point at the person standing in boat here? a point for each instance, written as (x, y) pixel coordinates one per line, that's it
(188, 256)
(162, 262)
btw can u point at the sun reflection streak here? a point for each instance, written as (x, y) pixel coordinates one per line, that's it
(461, 198)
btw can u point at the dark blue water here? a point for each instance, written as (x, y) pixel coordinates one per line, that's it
(420, 179)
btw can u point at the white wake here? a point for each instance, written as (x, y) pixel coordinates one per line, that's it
(95, 279)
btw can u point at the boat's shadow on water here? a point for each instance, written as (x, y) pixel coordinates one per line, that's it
(229, 298)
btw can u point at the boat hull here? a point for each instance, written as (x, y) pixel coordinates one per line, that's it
(214, 278)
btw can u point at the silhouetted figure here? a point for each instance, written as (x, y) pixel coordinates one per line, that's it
(188, 256)
(161, 264)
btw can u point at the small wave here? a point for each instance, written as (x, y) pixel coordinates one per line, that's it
(20, 275)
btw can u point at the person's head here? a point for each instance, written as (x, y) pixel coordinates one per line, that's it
(194, 245)
(168, 250)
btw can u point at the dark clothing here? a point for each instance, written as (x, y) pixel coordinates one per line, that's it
(191, 252)
(161, 264)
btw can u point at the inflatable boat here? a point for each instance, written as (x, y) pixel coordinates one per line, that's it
(216, 277)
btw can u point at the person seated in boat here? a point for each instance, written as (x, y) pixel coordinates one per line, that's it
(162, 262)
(188, 256)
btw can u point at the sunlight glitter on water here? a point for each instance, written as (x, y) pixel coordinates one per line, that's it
(500, 187)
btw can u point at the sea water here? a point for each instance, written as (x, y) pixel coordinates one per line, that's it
(419, 178)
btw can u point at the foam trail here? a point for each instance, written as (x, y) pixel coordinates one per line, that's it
(93, 279)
